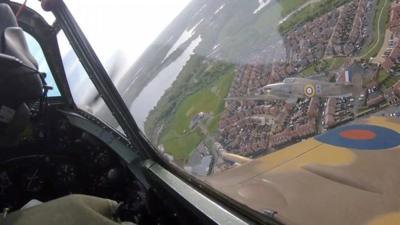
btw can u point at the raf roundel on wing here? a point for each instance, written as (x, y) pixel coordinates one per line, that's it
(361, 137)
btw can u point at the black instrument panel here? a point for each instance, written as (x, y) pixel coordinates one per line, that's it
(60, 160)
(56, 158)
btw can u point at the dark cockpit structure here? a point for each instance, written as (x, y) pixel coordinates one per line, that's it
(57, 161)
(20, 82)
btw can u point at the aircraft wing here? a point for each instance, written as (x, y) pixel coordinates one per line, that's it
(318, 77)
(349, 175)
(254, 98)
(264, 97)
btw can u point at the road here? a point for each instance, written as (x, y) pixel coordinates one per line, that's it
(379, 32)
(379, 59)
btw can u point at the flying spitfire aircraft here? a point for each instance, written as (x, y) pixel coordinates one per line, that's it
(294, 88)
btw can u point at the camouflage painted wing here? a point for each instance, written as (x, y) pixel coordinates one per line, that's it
(289, 100)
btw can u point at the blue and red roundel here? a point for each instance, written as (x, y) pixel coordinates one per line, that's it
(361, 137)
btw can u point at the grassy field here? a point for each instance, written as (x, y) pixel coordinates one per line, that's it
(309, 71)
(383, 75)
(380, 22)
(269, 18)
(309, 13)
(386, 79)
(335, 63)
(289, 6)
(177, 139)
(390, 81)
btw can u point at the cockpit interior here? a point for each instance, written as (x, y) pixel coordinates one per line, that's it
(49, 149)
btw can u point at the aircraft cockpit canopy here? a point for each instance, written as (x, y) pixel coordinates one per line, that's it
(20, 81)
(36, 6)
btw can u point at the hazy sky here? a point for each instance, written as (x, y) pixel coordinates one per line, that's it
(126, 25)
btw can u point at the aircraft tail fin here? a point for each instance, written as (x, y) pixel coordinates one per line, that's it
(354, 81)
(348, 77)
(357, 83)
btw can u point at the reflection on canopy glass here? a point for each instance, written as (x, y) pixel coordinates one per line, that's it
(283, 105)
